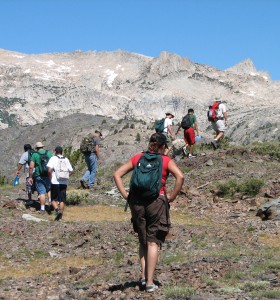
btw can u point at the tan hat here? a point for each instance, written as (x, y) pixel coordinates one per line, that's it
(169, 113)
(39, 145)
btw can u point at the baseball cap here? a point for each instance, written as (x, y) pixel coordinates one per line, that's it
(58, 149)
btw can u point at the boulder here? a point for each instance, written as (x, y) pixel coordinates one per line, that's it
(270, 210)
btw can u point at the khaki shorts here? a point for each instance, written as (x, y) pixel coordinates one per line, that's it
(150, 220)
(219, 125)
(168, 138)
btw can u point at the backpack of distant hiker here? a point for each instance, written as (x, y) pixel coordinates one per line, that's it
(213, 111)
(30, 152)
(145, 182)
(87, 145)
(186, 122)
(44, 159)
(159, 125)
(61, 169)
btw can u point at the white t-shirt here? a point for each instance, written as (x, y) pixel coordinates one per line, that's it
(24, 161)
(166, 123)
(221, 110)
(53, 162)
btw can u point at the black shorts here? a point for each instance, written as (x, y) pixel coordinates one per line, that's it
(58, 192)
(150, 220)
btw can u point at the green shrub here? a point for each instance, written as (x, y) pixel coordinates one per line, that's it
(179, 292)
(3, 179)
(268, 148)
(126, 126)
(138, 137)
(250, 186)
(249, 286)
(74, 156)
(76, 197)
(225, 142)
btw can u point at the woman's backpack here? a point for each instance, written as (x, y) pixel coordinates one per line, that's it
(146, 179)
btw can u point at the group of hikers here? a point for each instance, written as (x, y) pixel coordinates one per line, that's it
(147, 197)
(217, 115)
(47, 173)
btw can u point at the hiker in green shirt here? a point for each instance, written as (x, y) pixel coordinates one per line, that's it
(189, 124)
(38, 161)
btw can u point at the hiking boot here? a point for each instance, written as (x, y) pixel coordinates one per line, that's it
(143, 281)
(84, 185)
(185, 151)
(29, 202)
(191, 155)
(215, 144)
(151, 288)
(58, 215)
(41, 212)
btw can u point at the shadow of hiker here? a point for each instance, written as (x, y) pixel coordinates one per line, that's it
(126, 285)
(35, 204)
(130, 284)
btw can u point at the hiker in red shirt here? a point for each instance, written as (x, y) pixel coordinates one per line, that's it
(150, 216)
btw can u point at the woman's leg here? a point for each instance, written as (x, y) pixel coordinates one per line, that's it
(151, 262)
(143, 258)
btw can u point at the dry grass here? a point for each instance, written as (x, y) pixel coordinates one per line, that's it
(97, 213)
(178, 217)
(270, 240)
(43, 266)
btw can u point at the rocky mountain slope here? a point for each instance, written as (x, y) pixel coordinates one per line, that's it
(218, 248)
(123, 85)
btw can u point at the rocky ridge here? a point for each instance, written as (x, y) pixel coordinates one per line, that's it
(122, 85)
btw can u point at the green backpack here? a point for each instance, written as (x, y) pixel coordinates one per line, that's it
(159, 125)
(44, 159)
(145, 182)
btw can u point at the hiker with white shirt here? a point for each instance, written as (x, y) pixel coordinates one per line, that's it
(59, 170)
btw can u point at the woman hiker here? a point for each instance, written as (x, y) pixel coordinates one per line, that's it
(149, 215)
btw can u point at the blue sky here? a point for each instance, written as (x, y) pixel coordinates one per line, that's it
(219, 33)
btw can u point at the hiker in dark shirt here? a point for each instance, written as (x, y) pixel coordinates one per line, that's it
(92, 160)
(150, 217)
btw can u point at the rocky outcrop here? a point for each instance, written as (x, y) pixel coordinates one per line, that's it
(123, 85)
